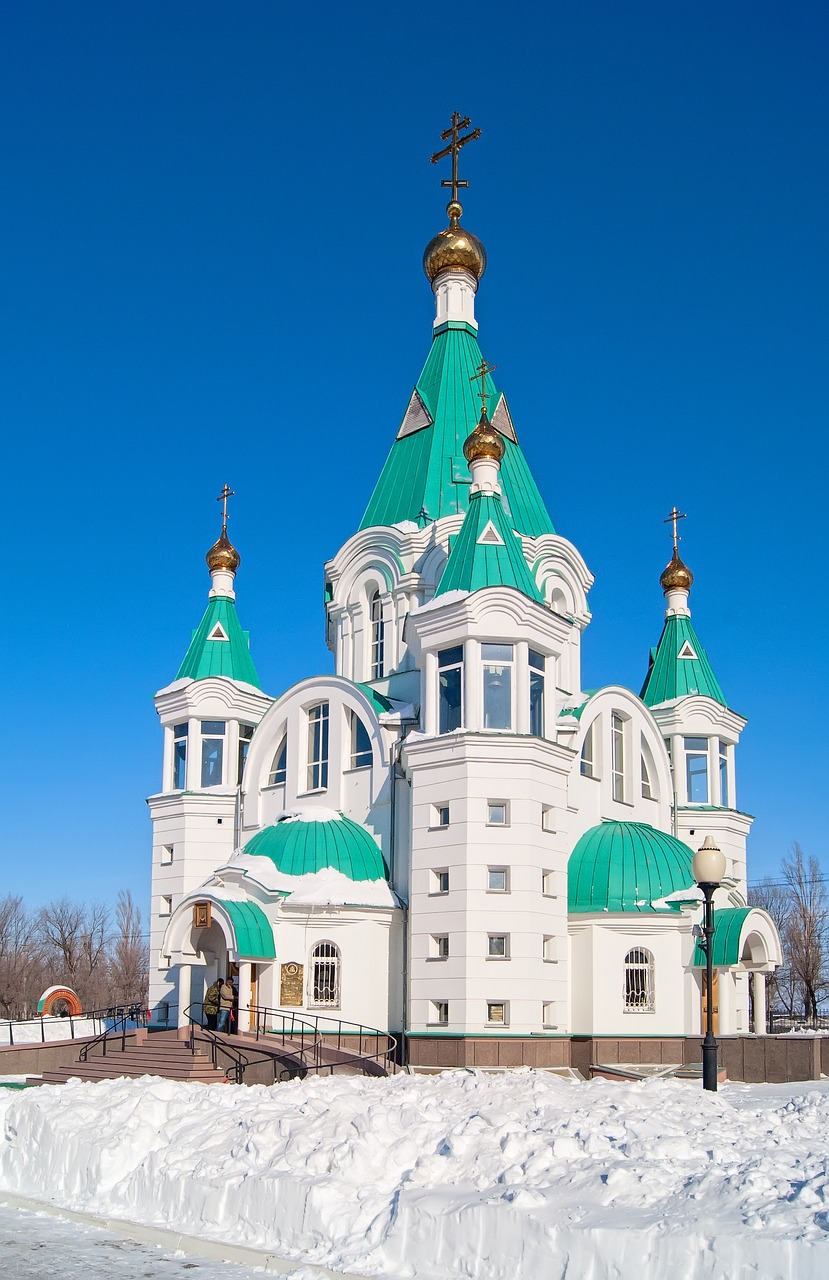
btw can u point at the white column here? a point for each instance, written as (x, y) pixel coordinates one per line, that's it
(167, 764)
(184, 996)
(759, 981)
(244, 995)
(473, 711)
(429, 695)
(192, 779)
(521, 711)
(714, 771)
(678, 767)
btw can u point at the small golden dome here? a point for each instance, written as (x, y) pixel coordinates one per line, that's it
(223, 555)
(454, 249)
(484, 442)
(676, 575)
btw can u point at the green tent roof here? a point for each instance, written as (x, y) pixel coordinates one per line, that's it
(298, 848)
(728, 925)
(487, 552)
(219, 646)
(426, 470)
(254, 936)
(626, 866)
(671, 675)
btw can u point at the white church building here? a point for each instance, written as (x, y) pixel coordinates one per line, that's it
(448, 837)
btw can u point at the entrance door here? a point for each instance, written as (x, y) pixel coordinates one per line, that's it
(715, 989)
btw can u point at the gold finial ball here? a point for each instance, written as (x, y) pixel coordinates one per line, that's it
(484, 442)
(223, 555)
(454, 209)
(454, 249)
(676, 575)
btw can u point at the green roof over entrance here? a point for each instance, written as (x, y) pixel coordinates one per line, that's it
(679, 666)
(299, 848)
(487, 552)
(426, 470)
(219, 646)
(626, 866)
(254, 936)
(728, 925)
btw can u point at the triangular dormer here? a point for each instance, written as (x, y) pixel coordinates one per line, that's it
(489, 536)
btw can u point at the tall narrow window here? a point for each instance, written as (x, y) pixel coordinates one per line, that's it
(617, 755)
(325, 976)
(212, 752)
(378, 637)
(179, 756)
(536, 661)
(724, 774)
(318, 747)
(360, 743)
(696, 770)
(245, 735)
(647, 789)
(497, 672)
(639, 989)
(588, 756)
(450, 689)
(279, 768)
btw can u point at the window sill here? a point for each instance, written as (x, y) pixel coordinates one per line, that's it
(497, 959)
(548, 961)
(313, 791)
(356, 768)
(498, 826)
(639, 1011)
(438, 893)
(499, 892)
(554, 896)
(443, 1025)
(440, 827)
(499, 1026)
(436, 959)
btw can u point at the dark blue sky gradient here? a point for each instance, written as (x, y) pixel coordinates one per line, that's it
(211, 231)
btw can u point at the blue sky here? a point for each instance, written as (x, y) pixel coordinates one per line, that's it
(211, 234)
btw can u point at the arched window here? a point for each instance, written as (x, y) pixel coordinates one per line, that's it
(587, 764)
(648, 772)
(639, 987)
(378, 637)
(325, 976)
(361, 753)
(279, 768)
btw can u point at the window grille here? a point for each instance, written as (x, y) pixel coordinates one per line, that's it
(639, 987)
(325, 976)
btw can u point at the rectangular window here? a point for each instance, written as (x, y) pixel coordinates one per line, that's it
(536, 661)
(549, 949)
(696, 770)
(647, 789)
(245, 735)
(440, 815)
(497, 880)
(497, 946)
(440, 946)
(440, 881)
(724, 774)
(548, 818)
(617, 755)
(318, 747)
(588, 763)
(497, 813)
(548, 884)
(166, 854)
(212, 752)
(360, 743)
(548, 1015)
(450, 689)
(440, 1012)
(497, 1012)
(497, 673)
(165, 907)
(179, 757)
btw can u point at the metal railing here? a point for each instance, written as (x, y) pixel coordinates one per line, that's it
(326, 1035)
(239, 1060)
(77, 1029)
(783, 1023)
(127, 1020)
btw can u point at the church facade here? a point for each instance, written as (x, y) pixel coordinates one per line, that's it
(448, 837)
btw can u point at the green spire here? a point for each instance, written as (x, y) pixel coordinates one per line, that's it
(487, 552)
(219, 646)
(425, 475)
(679, 666)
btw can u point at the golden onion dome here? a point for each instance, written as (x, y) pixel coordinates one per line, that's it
(454, 249)
(676, 575)
(484, 442)
(223, 555)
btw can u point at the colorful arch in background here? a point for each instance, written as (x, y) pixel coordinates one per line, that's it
(52, 995)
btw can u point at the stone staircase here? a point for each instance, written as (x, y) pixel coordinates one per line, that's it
(160, 1055)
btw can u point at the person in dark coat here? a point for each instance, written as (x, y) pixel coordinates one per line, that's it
(211, 1004)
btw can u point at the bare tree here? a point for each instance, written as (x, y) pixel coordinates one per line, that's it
(21, 959)
(807, 928)
(129, 965)
(774, 897)
(75, 939)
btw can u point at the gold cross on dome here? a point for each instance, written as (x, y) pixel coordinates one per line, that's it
(453, 150)
(672, 519)
(481, 372)
(226, 493)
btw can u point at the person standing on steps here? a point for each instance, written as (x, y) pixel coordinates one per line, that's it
(226, 998)
(211, 1004)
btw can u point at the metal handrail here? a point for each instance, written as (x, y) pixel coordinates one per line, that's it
(241, 1061)
(132, 1015)
(263, 1014)
(135, 1010)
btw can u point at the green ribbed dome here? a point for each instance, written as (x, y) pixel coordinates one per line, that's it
(299, 848)
(625, 866)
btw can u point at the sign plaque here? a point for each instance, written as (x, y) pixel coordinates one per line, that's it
(202, 915)
(290, 993)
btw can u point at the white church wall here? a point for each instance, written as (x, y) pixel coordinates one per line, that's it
(610, 941)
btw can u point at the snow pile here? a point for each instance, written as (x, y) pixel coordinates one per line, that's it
(324, 888)
(517, 1176)
(37, 1030)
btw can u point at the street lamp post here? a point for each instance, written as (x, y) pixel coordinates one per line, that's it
(708, 871)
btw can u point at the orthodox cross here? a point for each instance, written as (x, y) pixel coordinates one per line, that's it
(672, 519)
(226, 493)
(481, 372)
(453, 150)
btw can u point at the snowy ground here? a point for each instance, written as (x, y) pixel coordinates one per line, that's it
(519, 1176)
